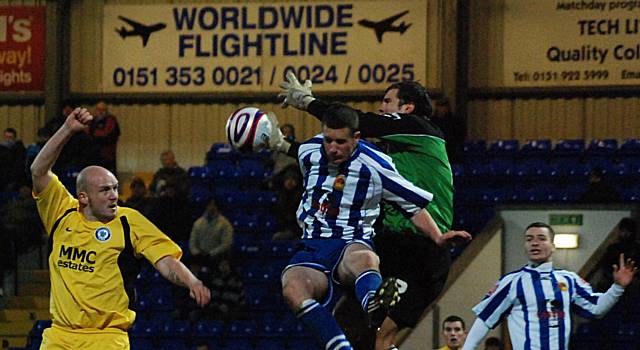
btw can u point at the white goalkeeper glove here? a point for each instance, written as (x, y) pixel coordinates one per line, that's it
(296, 94)
(276, 140)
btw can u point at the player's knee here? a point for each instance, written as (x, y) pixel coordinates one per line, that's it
(366, 259)
(295, 291)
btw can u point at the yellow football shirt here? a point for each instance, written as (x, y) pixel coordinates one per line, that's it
(87, 289)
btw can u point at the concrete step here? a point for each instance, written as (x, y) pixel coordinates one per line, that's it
(27, 302)
(8, 315)
(34, 289)
(18, 328)
(13, 342)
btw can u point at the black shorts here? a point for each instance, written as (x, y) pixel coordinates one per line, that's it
(420, 263)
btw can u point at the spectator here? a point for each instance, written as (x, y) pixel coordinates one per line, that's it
(211, 238)
(492, 343)
(104, 132)
(12, 160)
(139, 198)
(74, 153)
(289, 184)
(599, 190)
(453, 332)
(170, 172)
(227, 293)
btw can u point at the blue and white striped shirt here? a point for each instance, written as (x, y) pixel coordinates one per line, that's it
(538, 301)
(343, 201)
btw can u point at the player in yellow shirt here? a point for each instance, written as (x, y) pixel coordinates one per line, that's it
(93, 244)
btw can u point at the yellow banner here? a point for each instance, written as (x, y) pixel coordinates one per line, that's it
(236, 47)
(571, 43)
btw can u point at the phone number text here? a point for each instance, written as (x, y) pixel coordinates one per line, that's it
(196, 76)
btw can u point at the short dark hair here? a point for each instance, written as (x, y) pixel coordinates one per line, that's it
(454, 318)
(338, 116)
(413, 92)
(552, 233)
(11, 130)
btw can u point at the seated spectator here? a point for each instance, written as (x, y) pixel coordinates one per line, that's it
(289, 185)
(492, 343)
(170, 172)
(599, 190)
(211, 238)
(139, 199)
(228, 297)
(12, 160)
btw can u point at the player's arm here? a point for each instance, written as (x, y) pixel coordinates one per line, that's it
(477, 332)
(425, 223)
(175, 271)
(41, 173)
(277, 142)
(623, 274)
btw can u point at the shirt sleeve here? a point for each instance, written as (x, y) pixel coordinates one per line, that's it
(497, 303)
(52, 202)
(587, 303)
(148, 240)
(397, 190)
(379, 125)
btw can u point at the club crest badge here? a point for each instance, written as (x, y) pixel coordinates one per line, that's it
(103, 234)
(339, 182)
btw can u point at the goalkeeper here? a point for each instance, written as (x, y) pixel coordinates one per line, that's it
(418, 150)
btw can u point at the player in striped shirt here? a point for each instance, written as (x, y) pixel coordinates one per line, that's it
(345, 179)
(537, 299)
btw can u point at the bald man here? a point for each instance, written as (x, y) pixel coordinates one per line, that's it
(94, 245)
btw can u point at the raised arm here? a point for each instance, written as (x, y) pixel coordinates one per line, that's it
(175, 271)
(424, 222)
(41, 173)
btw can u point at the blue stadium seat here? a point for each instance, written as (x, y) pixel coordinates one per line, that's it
(568, 148)
(475, 148)
(503, 148)
(630, 147)
(38, 327)
(602, 147)
(535, 148)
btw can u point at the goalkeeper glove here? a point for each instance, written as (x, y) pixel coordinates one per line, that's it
(276, 140)
(296, 94)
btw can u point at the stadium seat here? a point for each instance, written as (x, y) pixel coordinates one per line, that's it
(535, 148)
(602, 147)
(501, 148)
(568, 148)
(630, 147)
(475, 148)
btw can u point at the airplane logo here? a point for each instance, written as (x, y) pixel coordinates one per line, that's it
(386, 25)
(139, 29)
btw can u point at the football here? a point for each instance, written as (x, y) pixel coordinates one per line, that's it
(249, 129)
